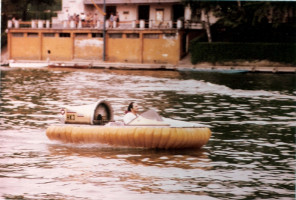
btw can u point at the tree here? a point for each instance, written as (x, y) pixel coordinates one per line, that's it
(25, 10)
(233, 14)
(207, 7)
(248, 20)
(257, 21)
(22, 8)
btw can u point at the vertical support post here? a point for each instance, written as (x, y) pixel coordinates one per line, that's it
(73, 44)
(9, 24)
(104, 32)
(40, 40)
(141, 46)
(142, 23)
(33, 24)
(16, 24)
(150, 23)
(47, 24)
(9, 44)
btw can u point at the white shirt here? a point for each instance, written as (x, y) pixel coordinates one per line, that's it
(82, 16)
(128, 117)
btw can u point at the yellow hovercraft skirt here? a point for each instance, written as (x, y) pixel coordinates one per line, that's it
(132, 136)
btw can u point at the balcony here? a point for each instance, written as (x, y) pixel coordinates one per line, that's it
(135, 24)
(130, 1)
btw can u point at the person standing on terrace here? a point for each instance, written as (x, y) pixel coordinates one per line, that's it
(82, 17)
(66, 16)
(111, 19)
(95, 20)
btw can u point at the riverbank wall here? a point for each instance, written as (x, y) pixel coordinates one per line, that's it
(204, 67)
(184, 65)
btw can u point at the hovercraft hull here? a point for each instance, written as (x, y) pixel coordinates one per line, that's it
(133, 136)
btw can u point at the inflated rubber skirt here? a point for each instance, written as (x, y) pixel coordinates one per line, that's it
(132, 136)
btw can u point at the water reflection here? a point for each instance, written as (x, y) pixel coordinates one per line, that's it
(251, 153)
(185, 159)
(138, 169)
(263, 82)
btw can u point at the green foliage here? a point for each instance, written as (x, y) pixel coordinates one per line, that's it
(235, 13)
(250, 21)
(26, 10)
(30, 9)
(264, 33)
(222, 52)
(3, 39)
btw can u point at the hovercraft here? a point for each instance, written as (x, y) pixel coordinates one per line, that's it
(95, 124)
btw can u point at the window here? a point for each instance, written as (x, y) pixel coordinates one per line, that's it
(64, 34)
(115, 35)
(97, 35)
(169, 35)
(151, 35)
(81, 35)
(48, 34)
(17, 34)
(132, 35)
(32, 34)
(159, 14)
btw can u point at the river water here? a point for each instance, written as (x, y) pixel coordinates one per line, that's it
(250, 155)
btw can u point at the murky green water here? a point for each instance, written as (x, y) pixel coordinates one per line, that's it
(251, 154)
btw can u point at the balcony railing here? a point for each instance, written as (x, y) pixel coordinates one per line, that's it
(135, 24)
(129, 1)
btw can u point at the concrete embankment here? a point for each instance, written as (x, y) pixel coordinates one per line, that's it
(205, 67)
(187, 67)
(184, 65)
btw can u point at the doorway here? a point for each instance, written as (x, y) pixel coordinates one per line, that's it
(144, 12)
(110, 10)
(178, 11)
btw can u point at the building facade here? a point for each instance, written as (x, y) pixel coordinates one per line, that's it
(135, 31)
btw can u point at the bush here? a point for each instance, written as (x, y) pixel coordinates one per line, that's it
(3, 39)
(221, 52)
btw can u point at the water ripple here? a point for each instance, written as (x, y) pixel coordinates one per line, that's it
(251, 153)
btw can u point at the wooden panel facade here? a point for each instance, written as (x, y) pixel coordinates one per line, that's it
(28, 45)
(134, 46)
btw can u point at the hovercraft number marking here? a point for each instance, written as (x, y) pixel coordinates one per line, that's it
(70, 117)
